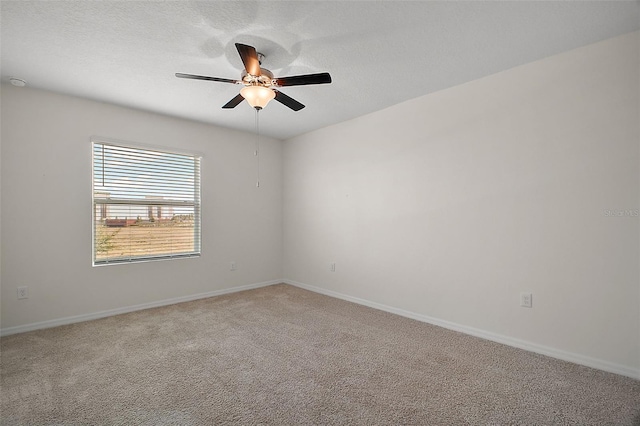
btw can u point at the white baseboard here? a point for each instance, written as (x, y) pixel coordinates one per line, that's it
(506, 340)
(117, 311)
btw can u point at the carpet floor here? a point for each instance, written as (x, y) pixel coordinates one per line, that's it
(281, 355)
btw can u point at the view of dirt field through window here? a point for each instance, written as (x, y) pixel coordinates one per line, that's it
(148, 239)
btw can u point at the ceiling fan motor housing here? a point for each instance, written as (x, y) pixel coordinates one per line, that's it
(264, 79)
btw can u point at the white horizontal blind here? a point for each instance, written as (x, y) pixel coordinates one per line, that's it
(146, 204)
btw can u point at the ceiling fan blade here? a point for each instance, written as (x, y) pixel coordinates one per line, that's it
(288, 101)
(301, 80)
(249, 58)
(233, 102)
(203, 77)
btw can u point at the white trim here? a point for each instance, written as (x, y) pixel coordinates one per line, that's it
(111, 312)
(506, 340)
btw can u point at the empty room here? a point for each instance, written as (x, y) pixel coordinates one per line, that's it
(319, 213)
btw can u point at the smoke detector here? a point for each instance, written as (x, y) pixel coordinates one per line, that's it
(18, 82)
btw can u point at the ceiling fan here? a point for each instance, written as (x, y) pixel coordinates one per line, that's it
(260, 86)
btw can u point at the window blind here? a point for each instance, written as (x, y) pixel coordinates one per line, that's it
(146, 204)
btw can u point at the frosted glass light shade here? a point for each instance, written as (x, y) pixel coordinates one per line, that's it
(257, 96)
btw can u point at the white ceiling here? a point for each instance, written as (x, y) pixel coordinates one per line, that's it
(378, 53)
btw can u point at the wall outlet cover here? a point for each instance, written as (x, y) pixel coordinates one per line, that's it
(23, 292)
(526, 300)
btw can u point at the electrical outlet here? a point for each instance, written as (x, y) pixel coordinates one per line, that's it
(526, 300)
(23, 292)
(233, 266)
(332, 267)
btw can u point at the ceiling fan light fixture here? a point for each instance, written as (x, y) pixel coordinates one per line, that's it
(257, 96)
(260, 85)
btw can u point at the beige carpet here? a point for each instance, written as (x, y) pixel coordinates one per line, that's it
(285, 356)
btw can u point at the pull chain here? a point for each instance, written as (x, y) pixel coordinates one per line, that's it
(257, 150)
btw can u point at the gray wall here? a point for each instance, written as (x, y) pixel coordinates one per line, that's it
(46, 209)
(450, 205)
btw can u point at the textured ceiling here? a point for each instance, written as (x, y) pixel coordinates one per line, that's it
(378, 53)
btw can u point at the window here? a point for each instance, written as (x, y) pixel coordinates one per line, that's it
(146, 204)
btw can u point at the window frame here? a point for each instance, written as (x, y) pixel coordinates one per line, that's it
(196, 204)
